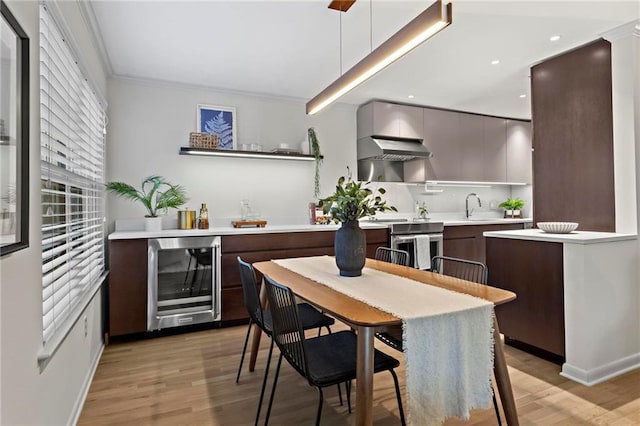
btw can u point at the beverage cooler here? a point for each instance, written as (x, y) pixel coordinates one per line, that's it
(183, 281)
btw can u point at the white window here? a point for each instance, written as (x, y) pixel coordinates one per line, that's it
(72, 122)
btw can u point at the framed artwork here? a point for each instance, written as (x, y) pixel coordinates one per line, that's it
(218, 120)
(14, 134)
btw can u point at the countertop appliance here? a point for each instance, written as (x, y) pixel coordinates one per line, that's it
(183, 283)
(403, 237)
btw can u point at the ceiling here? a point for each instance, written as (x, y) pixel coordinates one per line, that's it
(296, 48)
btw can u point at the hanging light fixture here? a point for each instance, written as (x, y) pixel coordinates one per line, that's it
(424, 26)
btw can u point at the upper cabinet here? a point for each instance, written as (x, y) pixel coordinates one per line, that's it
(519, 155)
(387, 119)
(494, 150)
(465, 146)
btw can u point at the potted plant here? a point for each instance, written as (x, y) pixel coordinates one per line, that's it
(422, 210)
(512, 207)
(315, 150)
(351, 201)
(156, 194)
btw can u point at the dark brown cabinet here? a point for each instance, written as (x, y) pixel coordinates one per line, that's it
(127, 286)
(573, 138)
(534, 271)
(467, 241)
(261, 247)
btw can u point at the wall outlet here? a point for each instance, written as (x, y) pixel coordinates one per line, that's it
(86, 326)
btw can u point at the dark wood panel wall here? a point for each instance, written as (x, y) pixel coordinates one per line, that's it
(573, 175)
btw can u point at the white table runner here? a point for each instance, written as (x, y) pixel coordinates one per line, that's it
(447, 337)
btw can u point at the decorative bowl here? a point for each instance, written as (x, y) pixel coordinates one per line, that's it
(558, 227)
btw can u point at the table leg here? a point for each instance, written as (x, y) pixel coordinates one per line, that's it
(364, 376)
(502, 378)
(257, 333)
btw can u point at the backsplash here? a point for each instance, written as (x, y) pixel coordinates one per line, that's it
(451, 201)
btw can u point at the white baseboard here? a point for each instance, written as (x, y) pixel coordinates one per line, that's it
(602, 373)
(84, 391)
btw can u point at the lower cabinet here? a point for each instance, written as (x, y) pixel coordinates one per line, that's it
(467, 241)
(127, 287)
(261, 247)
(534, 271)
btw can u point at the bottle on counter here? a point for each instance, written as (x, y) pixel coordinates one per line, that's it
(203, 223)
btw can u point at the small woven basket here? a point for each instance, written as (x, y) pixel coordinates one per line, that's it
(203, 140)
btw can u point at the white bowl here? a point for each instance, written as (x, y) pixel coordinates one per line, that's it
(558, 227)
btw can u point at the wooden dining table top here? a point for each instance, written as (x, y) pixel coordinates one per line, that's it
(358, 313)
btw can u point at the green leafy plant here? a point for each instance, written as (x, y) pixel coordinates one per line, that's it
(422, 209)
(353, 200)
(156, 194)
(315, 149)
(512, 204)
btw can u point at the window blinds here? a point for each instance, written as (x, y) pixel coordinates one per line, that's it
(72, 122)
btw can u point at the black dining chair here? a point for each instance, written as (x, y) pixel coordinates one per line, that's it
(386, 254)
(310, 318)
(393, 336)
(468, 270)
(325, 360)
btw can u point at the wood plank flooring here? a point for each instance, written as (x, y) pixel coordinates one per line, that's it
(189, 379)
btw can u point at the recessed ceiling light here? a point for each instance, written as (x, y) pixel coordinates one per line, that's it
(523, 96)
(410, 96)
(495, 62)
(554, 38)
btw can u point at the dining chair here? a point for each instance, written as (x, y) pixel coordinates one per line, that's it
(310, 318)
(325, 360)
(386, 254)
(468, 270)
(393, 336)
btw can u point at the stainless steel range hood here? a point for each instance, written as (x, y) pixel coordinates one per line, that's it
(391, 149)
(382, 158)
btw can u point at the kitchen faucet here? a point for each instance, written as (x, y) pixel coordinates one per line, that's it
(466, 204)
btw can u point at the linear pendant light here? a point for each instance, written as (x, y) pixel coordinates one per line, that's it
(425, 25)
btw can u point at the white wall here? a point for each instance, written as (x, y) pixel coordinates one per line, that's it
(149, 122)
(27, 395)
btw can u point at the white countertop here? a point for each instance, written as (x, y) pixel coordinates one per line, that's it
(575, 237)
(488, 221)
(229, 230)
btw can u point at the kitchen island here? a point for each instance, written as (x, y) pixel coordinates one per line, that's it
(578, 298)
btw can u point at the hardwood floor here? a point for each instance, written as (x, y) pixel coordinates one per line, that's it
(189, 379)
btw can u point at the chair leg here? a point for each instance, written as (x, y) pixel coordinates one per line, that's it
(348, 386)
(495, 407)
(273, 390)
(328, 329)
(244, 350)
(340, 394)
(320, 399)
(264, 382)
(395, 382)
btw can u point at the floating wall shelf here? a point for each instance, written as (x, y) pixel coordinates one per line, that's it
(247, 154)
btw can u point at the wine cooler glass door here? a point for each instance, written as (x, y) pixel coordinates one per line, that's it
(184, 281)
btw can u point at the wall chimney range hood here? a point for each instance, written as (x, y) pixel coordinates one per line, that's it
(382, 158)
(391, 149)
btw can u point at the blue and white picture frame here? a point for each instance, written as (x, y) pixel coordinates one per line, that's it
(218, 120)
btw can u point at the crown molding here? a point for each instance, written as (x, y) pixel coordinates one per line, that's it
(626, 30)
(200, 87)
(86, 9)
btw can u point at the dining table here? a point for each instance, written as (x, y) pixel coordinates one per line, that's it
(366, 320)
